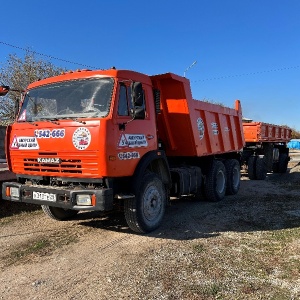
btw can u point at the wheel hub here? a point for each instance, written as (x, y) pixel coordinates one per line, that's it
(152, 203)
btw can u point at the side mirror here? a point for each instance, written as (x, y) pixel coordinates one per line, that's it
(139, 113)
(137, 94)
(4, 89)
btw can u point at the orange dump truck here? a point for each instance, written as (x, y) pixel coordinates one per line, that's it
(266, 148)
(118, 139)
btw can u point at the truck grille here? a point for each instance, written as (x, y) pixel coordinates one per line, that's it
(65, 166)
(70, 164)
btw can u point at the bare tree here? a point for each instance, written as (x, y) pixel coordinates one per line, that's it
(17, 73)
(295, 134)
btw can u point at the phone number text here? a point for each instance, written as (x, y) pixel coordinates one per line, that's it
(46, 133)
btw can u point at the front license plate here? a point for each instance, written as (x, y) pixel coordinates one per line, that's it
(43, 196)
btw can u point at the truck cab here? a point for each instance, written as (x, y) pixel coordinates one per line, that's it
(78, 137)
(89, 119)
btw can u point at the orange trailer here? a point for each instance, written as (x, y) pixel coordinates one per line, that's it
(266, 148)
(259, 132)
(118, 139)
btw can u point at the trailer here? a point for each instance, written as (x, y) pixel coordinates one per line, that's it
(266, 148)
(118, 139)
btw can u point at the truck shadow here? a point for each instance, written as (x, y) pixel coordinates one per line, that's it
(272, 204)
(8, 209)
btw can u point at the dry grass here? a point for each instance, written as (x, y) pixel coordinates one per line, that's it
(37, 247)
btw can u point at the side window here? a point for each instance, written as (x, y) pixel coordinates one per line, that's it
(125, 106)
(123, 103)
(143, 105)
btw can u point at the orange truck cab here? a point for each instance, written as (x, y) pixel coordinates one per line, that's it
(119, 139)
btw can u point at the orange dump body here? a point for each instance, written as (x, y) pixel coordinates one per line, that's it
(190, 127)
(264, 132)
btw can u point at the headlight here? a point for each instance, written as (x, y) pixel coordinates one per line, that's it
(14, 192)
(83, 199)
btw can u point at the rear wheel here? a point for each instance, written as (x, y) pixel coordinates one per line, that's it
(261, 168)
(283, 162)
(233, 171)
(58, 213)
(251, 167)
(145, 211)
(215, 183)
(275, 167)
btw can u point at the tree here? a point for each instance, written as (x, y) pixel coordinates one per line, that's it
(295, 134)
(17, 73)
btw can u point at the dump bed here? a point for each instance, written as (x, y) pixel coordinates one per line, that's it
(189, 127)
(264, 132)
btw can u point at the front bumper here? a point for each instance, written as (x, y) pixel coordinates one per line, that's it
(58, 197)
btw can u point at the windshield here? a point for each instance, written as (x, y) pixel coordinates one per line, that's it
(69, 99)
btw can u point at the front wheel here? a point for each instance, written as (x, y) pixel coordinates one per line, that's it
(145, 211)
(59, 214)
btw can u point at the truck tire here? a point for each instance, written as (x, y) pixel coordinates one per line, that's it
(145, 211)
(198, 192)
(233, 171)
(215, 183)
(260, 168)
(252, 167)
(283, 163)
(58, 213)
(275, 167)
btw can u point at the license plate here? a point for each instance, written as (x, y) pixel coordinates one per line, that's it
(43, 196)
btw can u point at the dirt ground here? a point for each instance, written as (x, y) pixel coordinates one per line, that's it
(245, 247)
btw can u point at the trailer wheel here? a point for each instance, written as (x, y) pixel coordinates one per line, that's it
(275, 167)
(252, 167)
(58, 213)
(233, 171)
(261, 168)
(215, 184)
(283, 163)
(145, 211)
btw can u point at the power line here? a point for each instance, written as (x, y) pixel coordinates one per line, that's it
(199, 80)
(46, 55)
(247, 74)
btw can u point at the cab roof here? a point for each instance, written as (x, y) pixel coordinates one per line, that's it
(82, 74)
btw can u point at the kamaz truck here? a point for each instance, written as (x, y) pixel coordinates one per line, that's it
(118, 139)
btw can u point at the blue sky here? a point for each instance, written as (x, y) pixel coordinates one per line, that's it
(245, 49)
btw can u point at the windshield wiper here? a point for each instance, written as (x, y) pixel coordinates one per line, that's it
(48, 119)
(76, 119)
